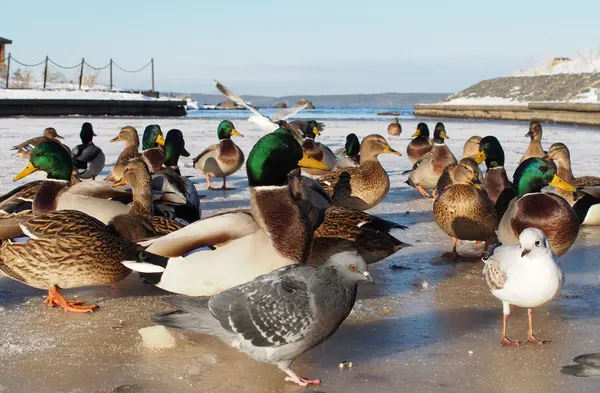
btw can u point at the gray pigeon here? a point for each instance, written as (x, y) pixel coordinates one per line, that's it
(277, 316)
(587, 366)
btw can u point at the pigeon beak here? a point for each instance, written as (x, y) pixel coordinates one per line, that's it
(525, 252)
(368, 277)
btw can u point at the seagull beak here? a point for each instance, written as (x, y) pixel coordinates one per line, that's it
(29, 169)
(368, 277)
(119, 183)
(235, 132)
(160, 140)
(525, 252)
(480, 157)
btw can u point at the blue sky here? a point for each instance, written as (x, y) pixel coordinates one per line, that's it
(303, 47)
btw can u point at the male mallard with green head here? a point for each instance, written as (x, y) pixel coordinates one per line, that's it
(362, 187)
(427, 171)
(153, 142)
(420, 145)
(496, 180)
(276, 232)
(67, 249)
(222, 159)
(543, 210)
(349, 155)
(463, 210)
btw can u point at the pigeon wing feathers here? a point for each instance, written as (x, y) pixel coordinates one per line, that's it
(270, 311)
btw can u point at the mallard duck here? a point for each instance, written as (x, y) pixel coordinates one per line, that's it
(394, 128)
(464, 211)
(267, 124)
(362, 187)
(546, 211)
(276, 232)
(140, 222)
(305, 125)
(559, 154)
(447, 178)
(88, 159)
(222, 159)
(496, 180)
(427, 171)
(345, 229)
(317, 150)
(24, 149)
(535, 144)
(67, 249)
(62, 191)
(153, 141)
(129, 135)
(420, 145)
(349, 155)
(471, 147)
(179, 190)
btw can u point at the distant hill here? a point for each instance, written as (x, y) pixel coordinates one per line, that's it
(375, 100)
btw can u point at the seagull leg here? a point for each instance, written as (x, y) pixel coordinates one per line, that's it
(531, 338)
(54, 298)
(292, 377)
(506, 342)
(423, 192)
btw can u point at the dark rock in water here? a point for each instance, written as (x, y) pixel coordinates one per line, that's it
(227, 105)
(303, 101)
(280, 105)
(388, 113)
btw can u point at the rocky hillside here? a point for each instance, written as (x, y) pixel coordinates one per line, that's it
(583, 87)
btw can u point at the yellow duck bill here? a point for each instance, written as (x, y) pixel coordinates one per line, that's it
(29, 169)
(309, 162)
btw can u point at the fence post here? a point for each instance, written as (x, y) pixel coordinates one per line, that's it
(152, 66)
(81, 72)
(111, 82)
(46, 72)
(8, 71)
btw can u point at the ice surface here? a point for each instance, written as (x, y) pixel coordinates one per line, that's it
(421, 342)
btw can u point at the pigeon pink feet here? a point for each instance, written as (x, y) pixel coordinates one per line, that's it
(292, 377)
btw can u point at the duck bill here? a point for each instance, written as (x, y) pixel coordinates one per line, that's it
(120, 183)
(476, 183)
(529, 134)
(480, 157)
(443, 135)
(116, 139)
(417, 133)
(185, 153)
(309, 162)
(316, 131)
(59, 137)
(29, 169)
(236, 133)
(557, 182)
(388, 149)
(160, 140)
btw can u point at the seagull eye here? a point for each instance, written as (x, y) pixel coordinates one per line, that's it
(537, 243)
(353, 267)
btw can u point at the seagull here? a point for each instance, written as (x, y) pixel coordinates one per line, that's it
(277, 316)
(267, 124)
(525, 275)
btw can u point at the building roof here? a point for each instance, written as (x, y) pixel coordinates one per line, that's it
(5, 41)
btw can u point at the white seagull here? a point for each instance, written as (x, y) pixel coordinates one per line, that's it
(267, 124)
(525, 275)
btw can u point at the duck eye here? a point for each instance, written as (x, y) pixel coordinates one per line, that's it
(543, 168)
(537, 243)
(353, 267)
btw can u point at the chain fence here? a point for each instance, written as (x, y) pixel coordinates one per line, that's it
(48, 74)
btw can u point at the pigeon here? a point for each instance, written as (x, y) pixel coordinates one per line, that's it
(267, 124)
(588, 365)
(277, 316)
(526, 275)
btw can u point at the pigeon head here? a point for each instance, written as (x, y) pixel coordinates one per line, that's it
(350, 265)
(533, 243)
(226, 129)
(152, 137)
(274, 156)
(422, 131)
(50, 157)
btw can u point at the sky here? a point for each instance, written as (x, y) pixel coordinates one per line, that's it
(281, 47)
